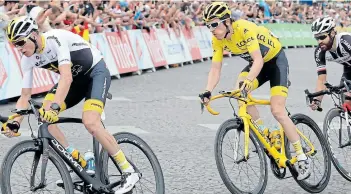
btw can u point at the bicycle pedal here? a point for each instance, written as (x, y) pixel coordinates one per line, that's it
(78, 187)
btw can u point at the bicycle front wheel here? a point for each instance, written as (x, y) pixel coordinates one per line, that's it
(337, 135)
(13, 165)
(135, 150)
(230, 156)
(317, 181)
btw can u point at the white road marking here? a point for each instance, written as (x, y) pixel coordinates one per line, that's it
(210, 126)
(120, 98)
(131, 129)
(190, 98)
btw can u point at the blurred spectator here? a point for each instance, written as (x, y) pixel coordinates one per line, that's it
(95, 16)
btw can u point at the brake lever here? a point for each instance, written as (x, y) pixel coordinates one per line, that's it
(328, 85)
(20, 111)
(202, 107)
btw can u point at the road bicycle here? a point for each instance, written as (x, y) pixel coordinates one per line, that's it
(342, 138)
(46, 147)
(279, 159)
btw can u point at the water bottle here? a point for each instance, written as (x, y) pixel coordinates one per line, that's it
(89, 157)
(275, 137)
(263, 129)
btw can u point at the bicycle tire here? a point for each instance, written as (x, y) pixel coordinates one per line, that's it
(29, 146)
(329, 117)
(322, 184)
(126, 137)
(222, 131)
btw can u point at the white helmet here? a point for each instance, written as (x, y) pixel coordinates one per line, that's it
(322, 25)
(20, 27)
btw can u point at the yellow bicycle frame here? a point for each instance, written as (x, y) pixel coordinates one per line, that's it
(279, 157)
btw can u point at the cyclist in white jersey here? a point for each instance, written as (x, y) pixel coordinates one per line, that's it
(83, 75)
(334, 47)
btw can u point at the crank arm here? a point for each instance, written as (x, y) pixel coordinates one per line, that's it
(344, 145)
(242, 160)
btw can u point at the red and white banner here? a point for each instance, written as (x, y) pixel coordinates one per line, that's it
(42, 81)
(140, 49)
(100, 42)
(154, 48)
(192, 44)
(172, 47)
(127, 51)
(3, 74)
(122, 52)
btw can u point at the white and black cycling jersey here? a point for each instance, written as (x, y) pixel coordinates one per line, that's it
(341, 55)
(61, 47)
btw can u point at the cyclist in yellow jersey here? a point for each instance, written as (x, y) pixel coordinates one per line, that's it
(267, 62)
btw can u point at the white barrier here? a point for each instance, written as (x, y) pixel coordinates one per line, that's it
(124, 52)
(100, 42)
(140, 50)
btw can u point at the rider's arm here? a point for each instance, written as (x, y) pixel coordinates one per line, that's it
(215, 71)
(22, 102)
(64, 66)
(253, 48)
(319, 56)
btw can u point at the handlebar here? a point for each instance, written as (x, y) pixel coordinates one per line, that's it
(310, 97)
(233, 94)
(17, 113)
(342, 87)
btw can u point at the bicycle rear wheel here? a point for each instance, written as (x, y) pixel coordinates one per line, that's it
(320, 160)
(232, 125)
(146, 182)
(21, 149)
(332, 136)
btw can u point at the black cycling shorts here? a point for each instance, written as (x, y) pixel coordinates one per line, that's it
(93, 87)
(276, 71)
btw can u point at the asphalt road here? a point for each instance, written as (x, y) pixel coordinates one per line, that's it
(162, 107)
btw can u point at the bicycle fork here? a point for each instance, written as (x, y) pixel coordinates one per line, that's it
(346, 115)
(45, 157)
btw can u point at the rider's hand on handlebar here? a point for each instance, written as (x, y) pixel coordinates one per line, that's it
(49, 116)
(246, 86)
(315, 104)
(10, 129)
(205, 97)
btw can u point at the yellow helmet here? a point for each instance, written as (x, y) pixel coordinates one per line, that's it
(20, 27)
(218, 10)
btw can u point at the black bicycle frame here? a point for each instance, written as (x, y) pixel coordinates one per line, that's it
(46, 140)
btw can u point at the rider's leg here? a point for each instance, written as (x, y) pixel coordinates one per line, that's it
(252, 110)
(279, 71)
(72, 99)
(53, 129)
(92, 121)
(93, 108)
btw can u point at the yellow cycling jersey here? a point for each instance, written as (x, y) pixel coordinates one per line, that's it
(246, 38)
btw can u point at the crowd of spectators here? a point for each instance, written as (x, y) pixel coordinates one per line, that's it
(95, 16)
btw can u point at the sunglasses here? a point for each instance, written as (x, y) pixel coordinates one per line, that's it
(321, 37)
(20, 43)
(213, 25)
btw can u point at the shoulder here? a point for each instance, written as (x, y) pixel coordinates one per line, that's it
(28, 63)
(319, 52)
(344, 36)
(215, 41)
(242, 24)
(58, 36)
